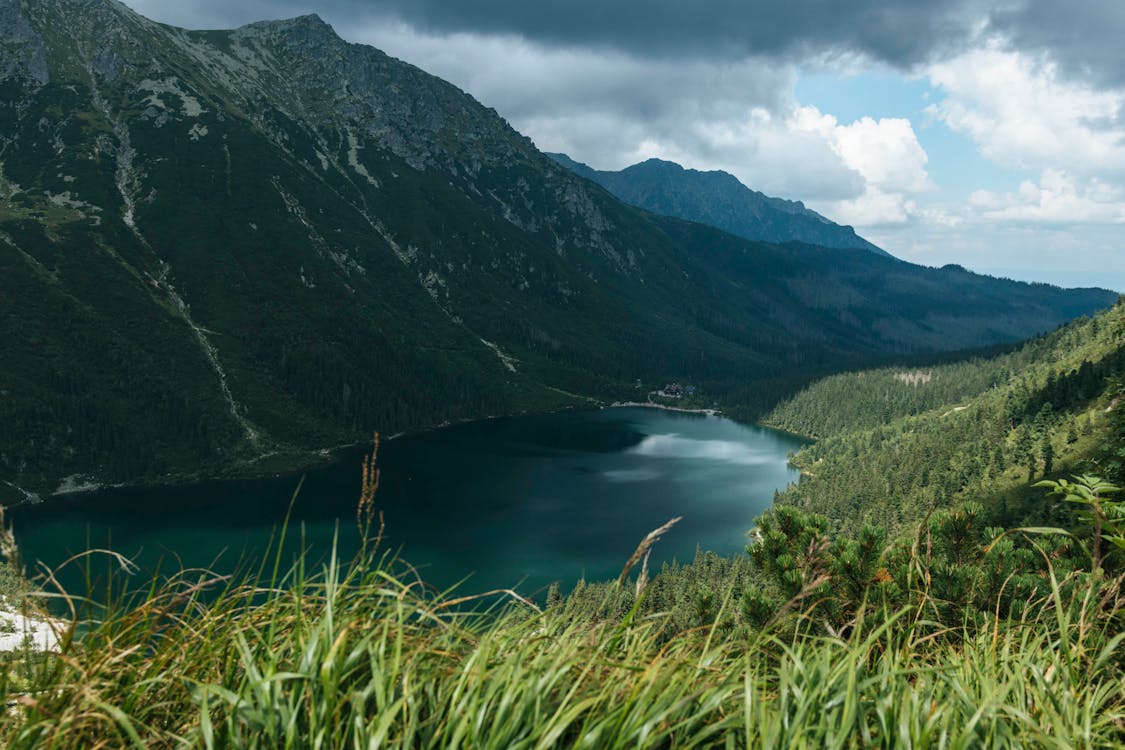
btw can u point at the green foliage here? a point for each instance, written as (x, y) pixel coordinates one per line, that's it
(792, 547)
(360, 656)
(1111, 453)
(12, 586)
(964, 573)
(807, 570)
(1104, 515)
(958, 633)
(682, 596)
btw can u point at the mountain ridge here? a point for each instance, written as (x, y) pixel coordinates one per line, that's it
(719, 199)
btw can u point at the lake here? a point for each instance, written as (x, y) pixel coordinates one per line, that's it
(518, 501)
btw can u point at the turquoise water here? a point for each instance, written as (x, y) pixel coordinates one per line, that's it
(513, 502)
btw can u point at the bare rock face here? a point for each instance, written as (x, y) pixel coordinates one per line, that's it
(22, 51)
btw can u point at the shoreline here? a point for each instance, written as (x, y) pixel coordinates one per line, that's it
(301, 461)
(665, 407)
(248, 469)
(74, 487)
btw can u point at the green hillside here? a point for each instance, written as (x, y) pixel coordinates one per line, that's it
(225, 253)
(899, 442)
(894, 617)
(922, 472)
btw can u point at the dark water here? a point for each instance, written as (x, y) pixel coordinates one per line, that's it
(518, 501)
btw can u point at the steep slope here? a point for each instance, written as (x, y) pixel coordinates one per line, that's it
(896, 443)
(223, 251)
(719, 199)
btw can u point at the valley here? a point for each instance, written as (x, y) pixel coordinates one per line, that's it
(263, 242)
(660, 460)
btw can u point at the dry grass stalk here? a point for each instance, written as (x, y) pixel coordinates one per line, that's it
(370, 485)
(644, 547)
(642, 579)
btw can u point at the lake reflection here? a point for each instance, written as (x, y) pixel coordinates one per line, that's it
(520, 500)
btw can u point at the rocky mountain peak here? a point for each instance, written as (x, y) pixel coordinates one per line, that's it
(309, 27)
(662, 164)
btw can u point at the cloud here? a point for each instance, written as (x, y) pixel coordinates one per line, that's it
(902, 32)
(1024, 114)
(1083, 37)
(1068, 255)
(1056, 198)
(886, 154)
(523, 78)
(612, 110)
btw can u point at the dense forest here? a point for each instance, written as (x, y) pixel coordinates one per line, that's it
(898, 443)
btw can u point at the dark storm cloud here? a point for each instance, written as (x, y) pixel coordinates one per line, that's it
(900, 32)
(1087, 38)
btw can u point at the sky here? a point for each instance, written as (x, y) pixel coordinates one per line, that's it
(988, 134)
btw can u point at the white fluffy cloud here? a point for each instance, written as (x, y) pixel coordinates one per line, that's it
(1022, 113)
(760, 148)
(886, 153)
(1056, 198)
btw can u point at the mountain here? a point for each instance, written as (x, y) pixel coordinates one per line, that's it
(224, 251)
(719, 199)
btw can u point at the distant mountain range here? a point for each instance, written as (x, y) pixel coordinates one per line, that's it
(223, 251)
(719, 199)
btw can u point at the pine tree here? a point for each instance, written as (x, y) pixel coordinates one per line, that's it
(554, 596)
(1047, 452)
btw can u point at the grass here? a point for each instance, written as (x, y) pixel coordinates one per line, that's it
(364, 655)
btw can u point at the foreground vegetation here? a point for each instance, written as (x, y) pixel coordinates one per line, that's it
(362, 658)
